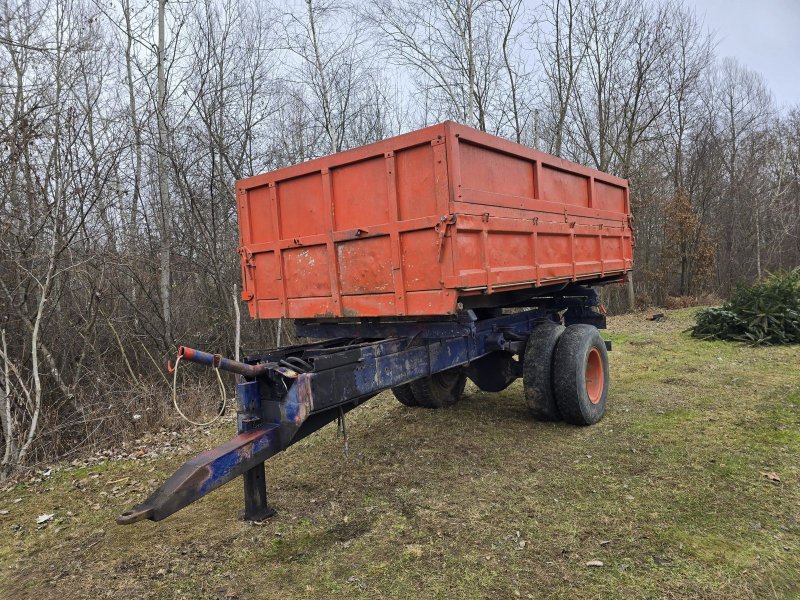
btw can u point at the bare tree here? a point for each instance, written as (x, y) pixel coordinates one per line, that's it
(163, 185)
(561, 50)
(509, 15)
(336, 72)
(450, 49)
(136, 128)
(744, 108)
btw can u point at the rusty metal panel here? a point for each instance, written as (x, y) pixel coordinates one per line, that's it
(365, 266)
(409, 225)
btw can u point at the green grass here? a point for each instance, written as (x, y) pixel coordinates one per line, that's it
(477, 501)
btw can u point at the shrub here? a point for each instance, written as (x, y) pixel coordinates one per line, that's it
(767, 313)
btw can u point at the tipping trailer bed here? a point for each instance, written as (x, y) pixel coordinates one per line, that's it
(417, 223)
(399, 257)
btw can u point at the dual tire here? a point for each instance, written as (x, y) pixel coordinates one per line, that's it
(565, 377)
(565, 373)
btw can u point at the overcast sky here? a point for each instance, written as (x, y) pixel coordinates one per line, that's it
(764, 35)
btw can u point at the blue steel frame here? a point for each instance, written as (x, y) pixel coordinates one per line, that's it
(294, 391)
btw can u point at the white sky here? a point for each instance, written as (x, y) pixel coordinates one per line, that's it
(764, 35)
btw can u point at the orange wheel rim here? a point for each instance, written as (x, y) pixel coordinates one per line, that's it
(595, 377)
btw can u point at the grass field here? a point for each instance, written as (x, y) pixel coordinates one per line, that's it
(676, 492)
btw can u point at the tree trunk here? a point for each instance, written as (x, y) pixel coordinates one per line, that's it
(5, 411)
(631, 294)
(163, 189)
(470, 68)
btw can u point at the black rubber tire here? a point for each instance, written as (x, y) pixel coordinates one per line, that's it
(405, 395)
(440, 390)
(537, 371)
(570, 384)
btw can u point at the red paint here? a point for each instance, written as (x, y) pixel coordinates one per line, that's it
(408, 225)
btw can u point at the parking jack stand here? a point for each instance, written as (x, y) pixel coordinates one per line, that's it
(255, 495)
(248, 418)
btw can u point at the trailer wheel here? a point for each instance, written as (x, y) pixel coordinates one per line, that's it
(537, 371)
(581, 375)
(405, 395)
(440, 390)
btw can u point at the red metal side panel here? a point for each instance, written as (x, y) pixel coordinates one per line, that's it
(525, 218)
(349, 234)
(407, 225)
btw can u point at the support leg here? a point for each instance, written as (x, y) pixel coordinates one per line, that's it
(255, 483)
(255, 495)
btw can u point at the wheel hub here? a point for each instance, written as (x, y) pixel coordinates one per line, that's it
(595, 378)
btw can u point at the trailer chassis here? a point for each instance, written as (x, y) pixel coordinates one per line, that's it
(286, 394)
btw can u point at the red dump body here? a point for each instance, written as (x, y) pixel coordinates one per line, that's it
(409, 225)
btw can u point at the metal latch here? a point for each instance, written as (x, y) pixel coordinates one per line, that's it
(249, 263)
(249, 260)
(441, 228)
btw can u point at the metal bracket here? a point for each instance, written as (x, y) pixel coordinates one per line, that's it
(248, 256)
(441, 228)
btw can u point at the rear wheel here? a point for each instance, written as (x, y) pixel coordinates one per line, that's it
(440, 390)
(580, 381)
(405, 395)
(537, 371)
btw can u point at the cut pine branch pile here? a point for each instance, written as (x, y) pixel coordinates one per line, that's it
(764, 314)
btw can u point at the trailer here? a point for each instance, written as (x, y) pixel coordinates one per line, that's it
(417, 263)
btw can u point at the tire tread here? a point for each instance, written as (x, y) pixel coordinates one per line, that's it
(537, 371)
